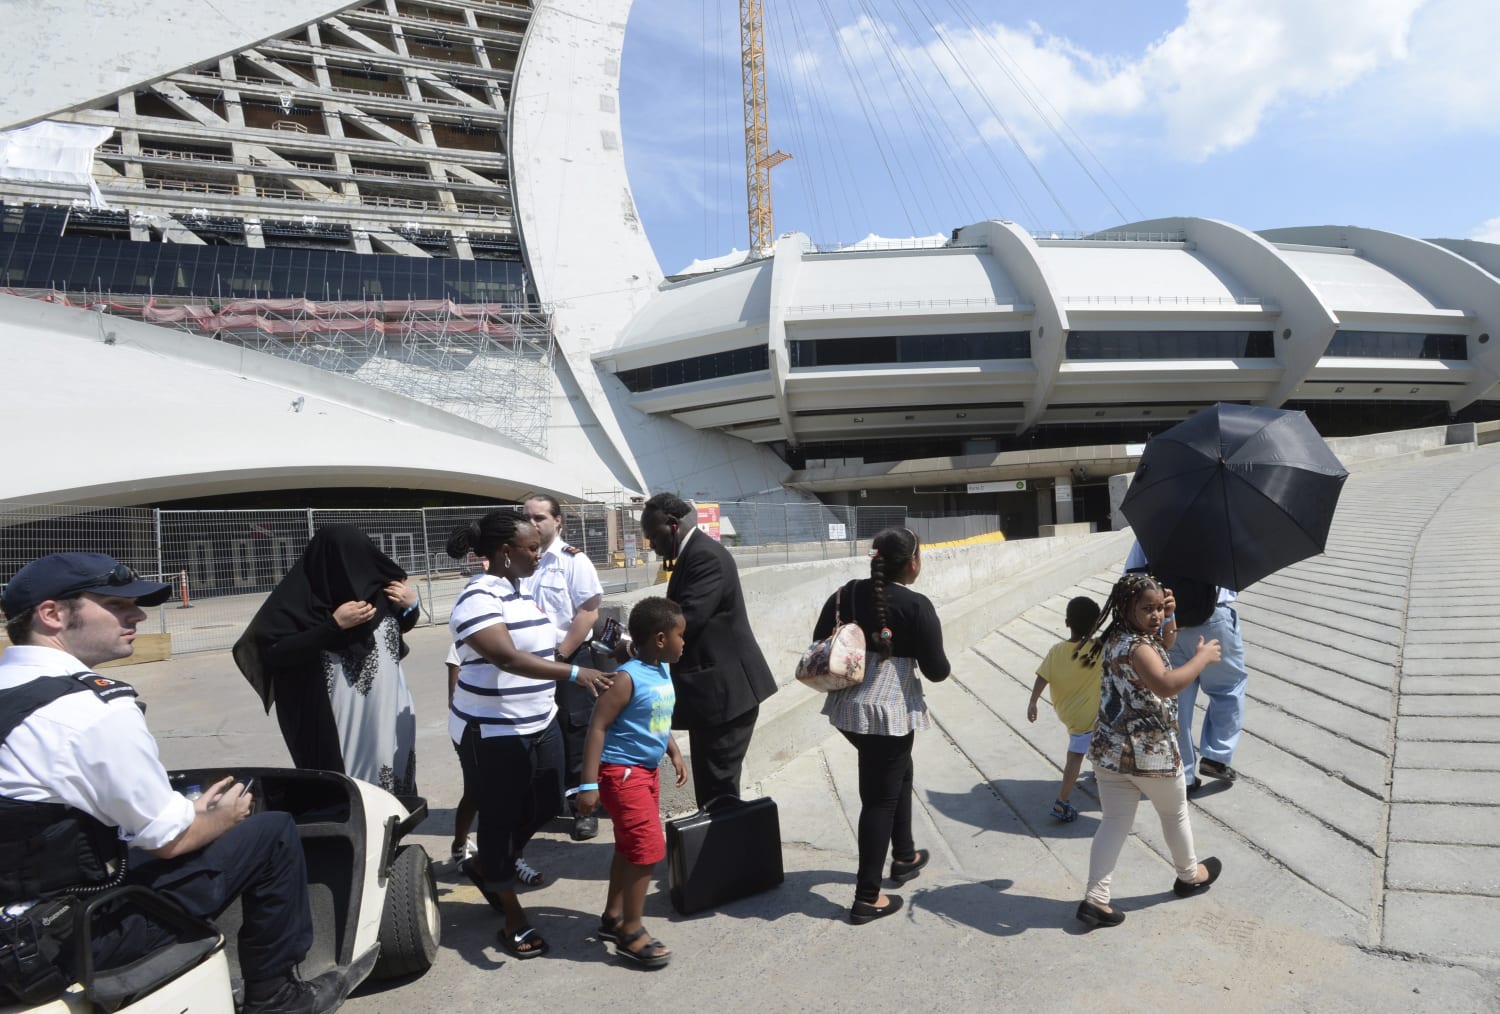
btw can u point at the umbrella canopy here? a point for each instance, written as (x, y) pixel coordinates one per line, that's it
(1233, 494)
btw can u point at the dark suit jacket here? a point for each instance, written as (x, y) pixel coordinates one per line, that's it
(722, 673)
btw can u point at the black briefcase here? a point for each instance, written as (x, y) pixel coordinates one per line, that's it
(729, 849)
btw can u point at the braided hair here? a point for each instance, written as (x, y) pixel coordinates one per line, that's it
(1112, 619)
(485, 536)
(890, 552)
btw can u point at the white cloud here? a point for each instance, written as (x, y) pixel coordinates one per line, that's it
(1489, 232)
(1205, 86)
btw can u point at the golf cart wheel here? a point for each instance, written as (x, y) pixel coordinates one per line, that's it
(410, 926)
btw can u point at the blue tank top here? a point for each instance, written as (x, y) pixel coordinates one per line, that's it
(638, 735)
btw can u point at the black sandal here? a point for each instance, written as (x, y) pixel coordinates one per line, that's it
(652, 954)
(513, 943)
(609, 928)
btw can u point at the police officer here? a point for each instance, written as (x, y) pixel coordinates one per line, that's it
(77, 764)
(567, 588)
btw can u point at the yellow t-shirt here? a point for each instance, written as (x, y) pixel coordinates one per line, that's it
(1075, 687)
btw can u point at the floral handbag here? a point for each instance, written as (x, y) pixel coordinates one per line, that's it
(837, 662)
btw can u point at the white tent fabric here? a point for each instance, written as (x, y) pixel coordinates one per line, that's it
(51, 152)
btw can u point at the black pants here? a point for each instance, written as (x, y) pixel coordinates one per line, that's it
(717, 753)
(259, 860)
(516, 781)
(575, 708)
(884, 807)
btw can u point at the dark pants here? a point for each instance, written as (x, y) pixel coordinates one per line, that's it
(717, 753)
(259, 860)
(516, 781)
(575, 708)
(884, 807)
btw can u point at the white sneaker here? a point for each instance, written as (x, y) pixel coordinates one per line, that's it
(526, 873)
(465, 851)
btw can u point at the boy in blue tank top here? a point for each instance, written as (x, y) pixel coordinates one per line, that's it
(631, 729)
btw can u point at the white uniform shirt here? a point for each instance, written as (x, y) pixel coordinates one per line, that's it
(98, 757)
(501, 703)
(563, 581)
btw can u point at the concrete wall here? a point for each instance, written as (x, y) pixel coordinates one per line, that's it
(975, 589)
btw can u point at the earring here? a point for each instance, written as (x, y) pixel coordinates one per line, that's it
(507, 563)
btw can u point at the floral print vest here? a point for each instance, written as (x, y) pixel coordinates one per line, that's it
(1137, 730)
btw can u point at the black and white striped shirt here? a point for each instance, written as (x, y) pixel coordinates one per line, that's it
(499, 702)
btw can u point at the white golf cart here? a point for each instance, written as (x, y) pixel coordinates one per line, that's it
(374, 904)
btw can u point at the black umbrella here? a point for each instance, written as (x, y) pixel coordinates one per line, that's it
(1233, 494)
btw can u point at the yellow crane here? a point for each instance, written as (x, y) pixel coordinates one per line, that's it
(759, 159)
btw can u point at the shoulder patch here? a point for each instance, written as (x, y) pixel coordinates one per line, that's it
(103, 687)
(572, 550)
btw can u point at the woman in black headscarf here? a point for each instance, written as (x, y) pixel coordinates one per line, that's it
(326, 648)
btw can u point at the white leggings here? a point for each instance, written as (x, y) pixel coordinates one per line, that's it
(1119, 795)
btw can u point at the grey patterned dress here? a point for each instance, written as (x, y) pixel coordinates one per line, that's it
(372, 708)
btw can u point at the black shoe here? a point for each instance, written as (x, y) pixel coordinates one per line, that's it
(585, 827)
(293, 996)
(1183, 888)
(902, 872)
(1213, 769)
(1195, 786)
(1092, 915)
(864, 911)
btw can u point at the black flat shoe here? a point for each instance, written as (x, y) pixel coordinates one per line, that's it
(902, 872)
(864, 912)
(1213, 769)
(1183, 888)
(1092, 915)
(1194, 787)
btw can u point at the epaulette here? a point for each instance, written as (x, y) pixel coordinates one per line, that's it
(572, 550)
(103, 687)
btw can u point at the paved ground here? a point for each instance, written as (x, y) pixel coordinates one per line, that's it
(1360, 845)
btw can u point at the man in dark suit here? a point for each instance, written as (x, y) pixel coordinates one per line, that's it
(722, 676)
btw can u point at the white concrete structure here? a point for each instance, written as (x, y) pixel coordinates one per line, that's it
(997, 332)
(479, 119)
(431, 153)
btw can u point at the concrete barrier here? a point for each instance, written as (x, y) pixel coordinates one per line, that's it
(975, 590)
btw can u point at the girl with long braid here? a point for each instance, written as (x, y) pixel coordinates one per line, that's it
(881, 714)
(503, 715)
(1134, 749)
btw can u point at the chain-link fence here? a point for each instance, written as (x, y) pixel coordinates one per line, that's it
(222, 563)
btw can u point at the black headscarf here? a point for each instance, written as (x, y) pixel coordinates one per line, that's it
(296, 622)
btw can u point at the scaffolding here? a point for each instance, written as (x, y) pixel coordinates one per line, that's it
(491, 363)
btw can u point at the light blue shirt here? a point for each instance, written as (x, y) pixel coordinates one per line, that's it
(1137, 559)
(638, 735)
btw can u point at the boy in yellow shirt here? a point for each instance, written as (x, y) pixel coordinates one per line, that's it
(1075, 695)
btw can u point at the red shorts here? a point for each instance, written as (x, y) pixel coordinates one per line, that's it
(632, 795)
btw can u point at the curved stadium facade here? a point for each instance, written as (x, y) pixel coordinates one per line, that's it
(388, 247)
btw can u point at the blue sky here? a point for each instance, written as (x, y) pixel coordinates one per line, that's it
(913, 117)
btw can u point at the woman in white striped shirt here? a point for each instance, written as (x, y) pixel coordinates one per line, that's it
(503, 718)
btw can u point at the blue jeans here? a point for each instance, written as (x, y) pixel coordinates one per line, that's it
(1223, 682)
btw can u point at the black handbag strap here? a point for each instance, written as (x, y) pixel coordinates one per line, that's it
(838, 605)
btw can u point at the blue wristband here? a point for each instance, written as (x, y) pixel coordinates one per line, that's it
(589, 787)
(573, 678)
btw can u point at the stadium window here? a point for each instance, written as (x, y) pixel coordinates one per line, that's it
(1397, 345)
(1157, 345)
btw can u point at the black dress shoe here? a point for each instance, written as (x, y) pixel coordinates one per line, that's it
(864, 912)
(585, 827)
(1092, 915)
(1195, 786)
(1183, 888)
(901, 872)
(1213, 769)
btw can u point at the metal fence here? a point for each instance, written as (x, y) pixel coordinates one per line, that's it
(222, 563)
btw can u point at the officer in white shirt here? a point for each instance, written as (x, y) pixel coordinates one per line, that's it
(567, 588)
(78, 764)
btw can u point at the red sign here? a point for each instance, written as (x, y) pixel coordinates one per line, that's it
(708, 520)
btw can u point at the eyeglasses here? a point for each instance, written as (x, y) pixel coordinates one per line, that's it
(116, 577)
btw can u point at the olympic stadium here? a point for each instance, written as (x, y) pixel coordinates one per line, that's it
(395, 246)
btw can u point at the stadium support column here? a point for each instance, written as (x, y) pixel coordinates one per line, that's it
(1018, 254)
(785, 265)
